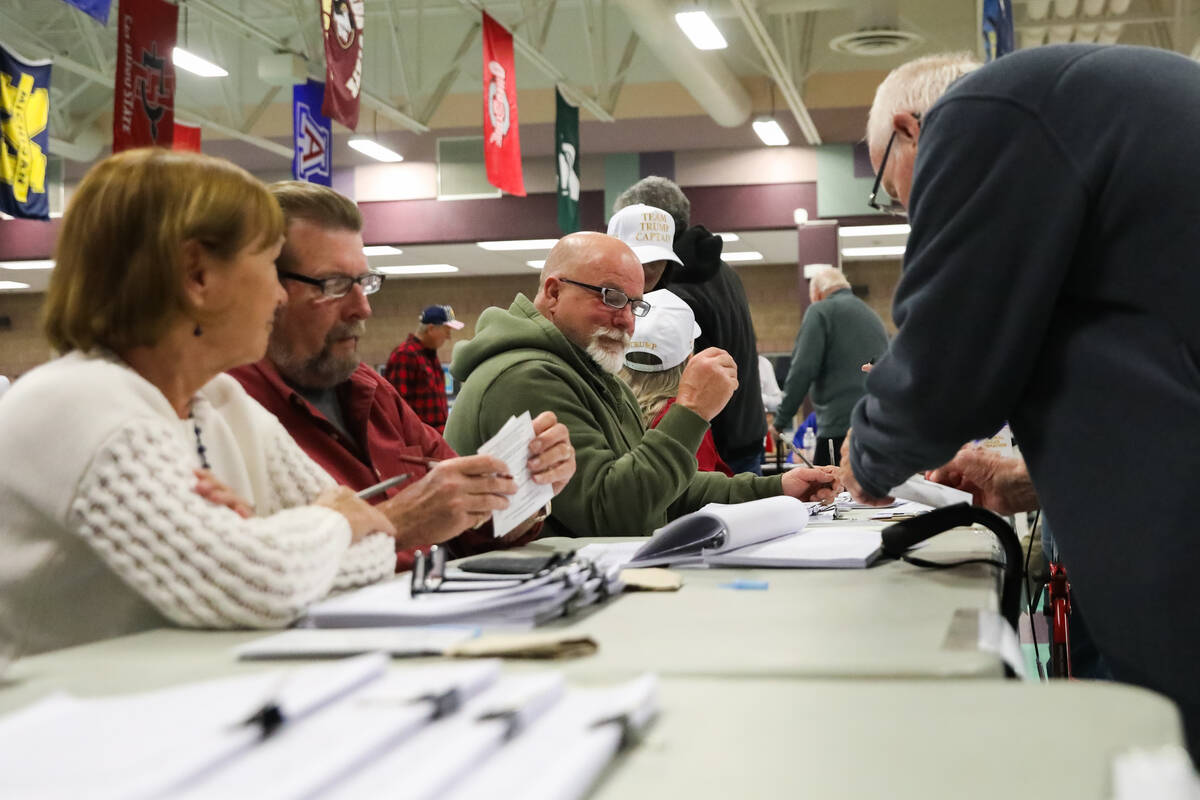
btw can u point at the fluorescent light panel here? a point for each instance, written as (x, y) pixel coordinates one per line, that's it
(12, 285)
(536, 264)
(418, 269)
(39, 264)
(372, 148)
(746, 255)
(196, 65)
(866, 252)
(700, 28)
(729, 237)
(519, 244)
(902, 229)
(381, 250)
(770, 132)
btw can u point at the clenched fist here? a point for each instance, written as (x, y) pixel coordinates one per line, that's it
(707, 383)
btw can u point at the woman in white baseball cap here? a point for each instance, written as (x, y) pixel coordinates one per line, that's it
(654, 362)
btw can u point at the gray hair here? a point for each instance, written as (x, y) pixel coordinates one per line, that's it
(826, 280)
(661, 193)
(914, 88)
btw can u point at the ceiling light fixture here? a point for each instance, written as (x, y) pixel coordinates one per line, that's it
(381, 250)
(868, 252)
(369, 147)
(875, 230)
(769, 130)
(729, 237)
(536, 264)
(519, 244)
(418, 269)
(747, 255)
(196, 65)
(12, 285)
(39, 264)
(700, 28)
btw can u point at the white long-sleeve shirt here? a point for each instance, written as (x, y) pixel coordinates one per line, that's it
(102, 533)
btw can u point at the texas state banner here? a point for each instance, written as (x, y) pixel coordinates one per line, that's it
(24, 124)
(144, 95)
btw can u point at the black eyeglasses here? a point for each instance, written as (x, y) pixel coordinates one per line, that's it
(893, 206)
(614, 298)
(339, 285)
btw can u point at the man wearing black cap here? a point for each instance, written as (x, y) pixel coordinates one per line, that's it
(414, 368)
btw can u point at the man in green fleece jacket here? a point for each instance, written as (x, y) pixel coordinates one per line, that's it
(839, 333)
(560, 353)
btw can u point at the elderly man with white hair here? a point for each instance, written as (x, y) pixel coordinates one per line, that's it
(1049, 281)
(838, 334)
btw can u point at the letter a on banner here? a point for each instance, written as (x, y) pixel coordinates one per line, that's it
(24, 135)
(342, 25)
(501, 140)
(144, 95)
(312, 134)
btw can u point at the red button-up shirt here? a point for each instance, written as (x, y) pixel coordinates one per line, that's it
(378, 418)
(417, 374)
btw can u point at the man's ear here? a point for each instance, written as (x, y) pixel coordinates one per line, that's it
(905, 124)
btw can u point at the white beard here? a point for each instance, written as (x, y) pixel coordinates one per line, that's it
(607, 348)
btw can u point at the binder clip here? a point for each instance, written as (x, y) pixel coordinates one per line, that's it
(444, 703)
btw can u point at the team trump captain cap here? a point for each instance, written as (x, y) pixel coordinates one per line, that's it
(441, 315)
(663, 338)
(649, 232)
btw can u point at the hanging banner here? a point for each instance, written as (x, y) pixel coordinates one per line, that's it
(187, 137)
(312, 134)
(501, 141)
(566, 143)
(96, 9)
(997, 28)
(144, 95)
(25, 139)
(342, 24)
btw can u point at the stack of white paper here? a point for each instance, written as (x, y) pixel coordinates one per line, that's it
(511, 445)
(341, 731)
(500, 602)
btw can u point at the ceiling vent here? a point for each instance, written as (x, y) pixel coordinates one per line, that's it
(875, 42)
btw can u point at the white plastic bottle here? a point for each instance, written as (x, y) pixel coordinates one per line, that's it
(809, 444)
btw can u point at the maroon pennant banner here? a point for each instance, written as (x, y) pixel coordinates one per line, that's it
(144, 95)
(342, 24)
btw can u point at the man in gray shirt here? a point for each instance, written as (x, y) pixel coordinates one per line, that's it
(839, 333)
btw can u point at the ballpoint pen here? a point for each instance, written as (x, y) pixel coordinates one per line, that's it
(381, 487)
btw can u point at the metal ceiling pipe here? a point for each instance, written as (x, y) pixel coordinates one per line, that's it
(702, 73)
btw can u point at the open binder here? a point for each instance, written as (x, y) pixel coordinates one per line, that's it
(771, 532)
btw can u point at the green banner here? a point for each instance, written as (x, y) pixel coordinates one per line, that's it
(566, 146)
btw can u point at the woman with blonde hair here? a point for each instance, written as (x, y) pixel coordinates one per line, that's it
(654, 361)
(140, 485)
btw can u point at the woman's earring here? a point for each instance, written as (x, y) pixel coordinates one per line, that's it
(197, 331)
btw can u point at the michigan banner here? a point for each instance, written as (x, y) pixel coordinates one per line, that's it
(25, 135)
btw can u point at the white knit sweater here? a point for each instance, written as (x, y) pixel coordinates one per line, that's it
(102, 533)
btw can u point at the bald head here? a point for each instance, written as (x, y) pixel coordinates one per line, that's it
(579, 311)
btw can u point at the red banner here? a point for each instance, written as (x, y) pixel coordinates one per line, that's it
(342, 24)
(144, 95)
(501, 140)
(187, 137)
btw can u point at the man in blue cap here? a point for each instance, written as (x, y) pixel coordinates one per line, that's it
(415, 370)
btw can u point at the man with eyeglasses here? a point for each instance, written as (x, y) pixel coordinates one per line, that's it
(560, 352)
(348, 418)
(1050, 281)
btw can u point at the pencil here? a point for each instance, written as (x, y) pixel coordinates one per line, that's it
(381, 487)
(424, 461)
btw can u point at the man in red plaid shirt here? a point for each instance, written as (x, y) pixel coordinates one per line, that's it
(414, 368)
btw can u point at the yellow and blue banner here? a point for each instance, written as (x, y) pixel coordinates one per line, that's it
(96, 9)
(24, 135)
(997, 28)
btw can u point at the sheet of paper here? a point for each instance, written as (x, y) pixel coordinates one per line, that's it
(511, 445)
(933, 494)
(318, 643)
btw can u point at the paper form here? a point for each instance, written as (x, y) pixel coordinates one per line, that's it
(511, 445)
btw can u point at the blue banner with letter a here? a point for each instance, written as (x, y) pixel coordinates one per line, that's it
(312, 135)
(96, 9)
(24, 135)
